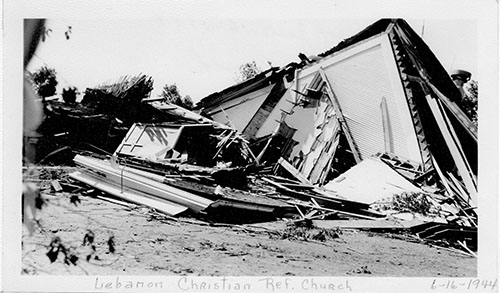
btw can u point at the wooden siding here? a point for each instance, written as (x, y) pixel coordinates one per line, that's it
(238, 112)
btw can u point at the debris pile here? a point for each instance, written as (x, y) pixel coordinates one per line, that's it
(163, 167)
(100, 120)
(328, 145)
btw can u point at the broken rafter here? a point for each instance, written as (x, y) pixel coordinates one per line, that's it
(264, 111)
(294, 172)
(325, 200)
(283, 179)
(467, 248)
(333, 210)
(458, 186)
(444, 181)
(454, 147)
(459, 114)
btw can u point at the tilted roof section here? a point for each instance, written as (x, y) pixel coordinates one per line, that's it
(265, 77)
(434, 70)
(260, 80)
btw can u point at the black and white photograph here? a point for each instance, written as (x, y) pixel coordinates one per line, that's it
(258, 146)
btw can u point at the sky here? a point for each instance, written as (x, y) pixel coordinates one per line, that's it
(202, 55)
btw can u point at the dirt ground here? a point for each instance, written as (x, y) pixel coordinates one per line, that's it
(147, 243)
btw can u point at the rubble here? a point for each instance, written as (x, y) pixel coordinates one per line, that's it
(399, 160)
(99, 121)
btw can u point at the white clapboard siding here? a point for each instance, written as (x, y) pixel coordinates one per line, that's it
(360, 83)
(360, 77)
(238, 112)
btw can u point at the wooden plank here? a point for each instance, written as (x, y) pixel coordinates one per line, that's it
(340, 117)
(444, 181)
(128, 194)
(454, 148)
(300, 212)
(327, 153)
(461, 117)
(323, 215)
(264, 110)
(459, 187)
(115, 201)
(283, 179)
(294, 172)
(467, 248)
(455, 138)
(315, 202)
(327, 200)
(333, 210)
(55, 184)
(288, 191)
(379, 224)
(291, 185)
(465, 197)
(311, 214)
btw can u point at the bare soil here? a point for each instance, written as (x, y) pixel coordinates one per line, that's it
(147, 243)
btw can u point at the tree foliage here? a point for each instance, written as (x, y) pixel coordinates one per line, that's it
(247, 70)
(44, 81)
(69, 95)
(469, 102)
(170, 94)
(188, 102)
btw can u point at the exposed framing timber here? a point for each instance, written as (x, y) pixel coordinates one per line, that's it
(294, 172)
(265, 109)
(405, 79)
(454, 147)
(461, 117)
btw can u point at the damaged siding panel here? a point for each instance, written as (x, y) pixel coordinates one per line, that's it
(401, 103)
(359, 89)
(360, 82)
(327, 152)
(265, 110)
(317, 137)
(302, 119)
(272, 122)
(360, 76)
(238, 112)
(144, 140)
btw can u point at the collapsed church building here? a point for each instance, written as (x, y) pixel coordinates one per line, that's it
(379, 93)
(371, 125)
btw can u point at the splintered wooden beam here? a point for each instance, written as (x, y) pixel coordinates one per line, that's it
(459, 187)
(300, 212)
(467, 248)
(333, 210)
(459, 114)
(454, 147)
(444, 181)
(340, 117)
(294, 172)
